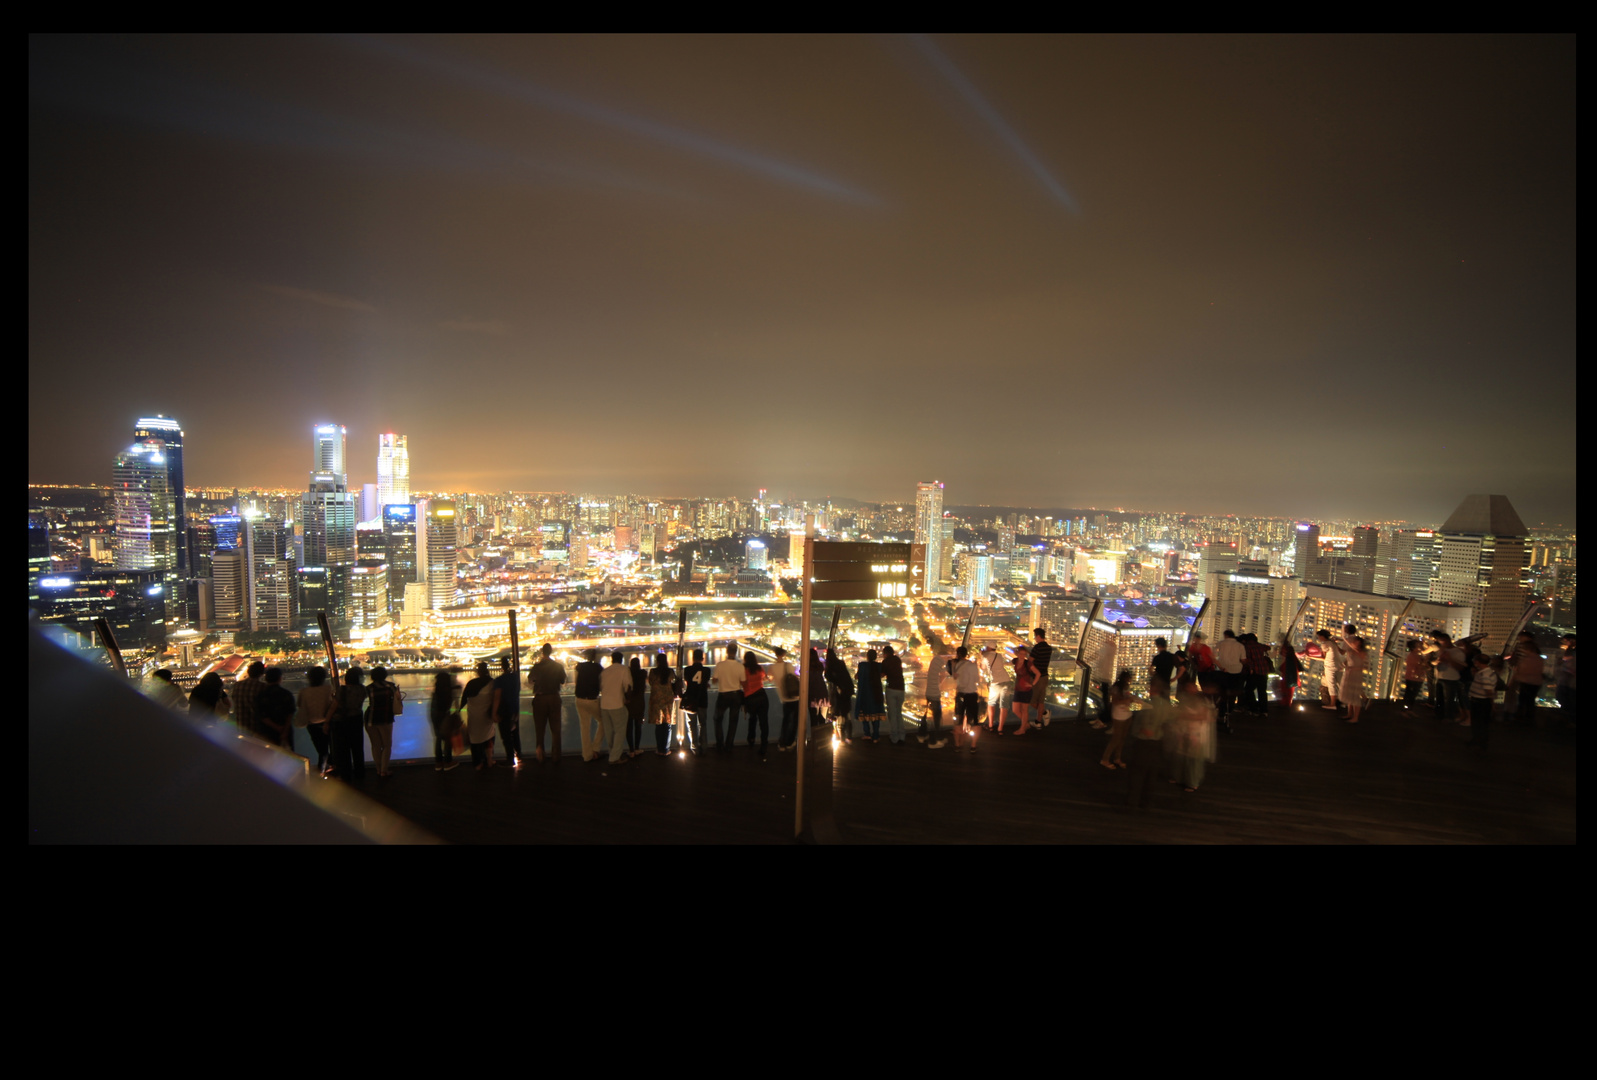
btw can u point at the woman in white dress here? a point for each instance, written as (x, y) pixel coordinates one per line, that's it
(1355, 658)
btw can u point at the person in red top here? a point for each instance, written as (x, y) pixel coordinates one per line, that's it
(1257, 669)
(1025, 681)
(755, 705)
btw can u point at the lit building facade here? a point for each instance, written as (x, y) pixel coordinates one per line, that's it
(133, 602)
(1250, 603)
(1378, 619)
(368, 594)
(399, 549)
(328, 452)
(393, 469)
(1481, 557)
(929, 526)
(442, 543)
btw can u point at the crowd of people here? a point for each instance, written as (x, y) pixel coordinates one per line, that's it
(1194, 694)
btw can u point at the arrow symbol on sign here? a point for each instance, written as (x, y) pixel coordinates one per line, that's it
(916, 569)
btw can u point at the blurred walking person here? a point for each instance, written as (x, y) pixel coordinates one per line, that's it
(479, 700)
(1414, 669)
(546, 678)
(1147, 749)
(1452, 675)
(1530, 669)
(785, 678)
(586, 692)
(1566, 680)
(663, 689)
(1121, 699)
(443, 711)
(931, 725)
(1331, 674)
(815, 675)
(1102, 672)
(1482, 695)
(1231, 657)
(163, 691)
(314, 705)
(1257, 670)
(1194, 724)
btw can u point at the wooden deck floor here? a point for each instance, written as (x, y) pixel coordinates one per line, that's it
(1293, 778)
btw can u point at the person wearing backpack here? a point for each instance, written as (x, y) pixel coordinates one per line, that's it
(382, 702)
(785, 679)
(893, 673)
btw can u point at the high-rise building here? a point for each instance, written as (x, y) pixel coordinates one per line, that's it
(1376, 617)
(133, 602)
(146, 528)
(328, 449)
(368, 594)
(1306, 562)
(38, 555)
(269, 555)
(1408, 561)
(754, 555)
(1250, 603)
(370, 508)
(393, 469)
(1217, 557)
(974, 577)
(442, 537)
(1481, 557)
(230, 590)
(399, 549)
(1564, 591)
(929, 527)
(328, 513)
(170, 432)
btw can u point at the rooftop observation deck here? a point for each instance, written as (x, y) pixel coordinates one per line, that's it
(1292, 778)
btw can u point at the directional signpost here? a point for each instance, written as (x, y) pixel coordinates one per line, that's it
(835, 571)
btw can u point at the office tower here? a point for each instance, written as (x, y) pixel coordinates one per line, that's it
(146, 537)
(795, 552)
(1216, 558)
(1061, 617)
(929, 527)
(415, 603)
(370, 508)
(1405, 564)
(754, 555)
(230, 590)
(393, 469)
(975, 578)
(1376, 617)
(399, 549)
(1564, 591)
(38, 554)
(368, 594)
(1250, 603)
(623, 540)
(132, 601)
(1306, 562)
(327, 446)
(328, 514)
(268, 553)
(170, 432)
(441, 544)
(1481, 556)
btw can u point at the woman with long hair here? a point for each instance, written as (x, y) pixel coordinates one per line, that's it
(662, 695)
(1289, 670)
(637, 704)
(841, 685)
(815, 673)
(756, 706)
(872, 705)
(1025, 679)
(479, 698)
(1355, 658)
(381, 699)
(441, 707)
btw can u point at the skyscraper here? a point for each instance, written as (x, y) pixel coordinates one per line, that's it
(170, 432)
(1306, 562)
(146, 527)
(328, 446)
(399, 548)
(38, 554)
(442, 535)
(1481, 557)
(393, 469)
(929, 525)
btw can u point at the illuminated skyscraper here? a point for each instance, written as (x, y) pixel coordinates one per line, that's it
(328, 446)
(38, 554)
(442, 536)
(929, 525)
(1481, 561)
(146, 529)
(170, 432)
(754, 555)
(399, 548)
(393, 469)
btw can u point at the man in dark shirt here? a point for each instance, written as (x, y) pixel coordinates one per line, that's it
(548, 676)
(507, 710)
(893, 672)
(1041, 653)
(1163, 666)
(695, 697)
(587, 696)
(274, 710)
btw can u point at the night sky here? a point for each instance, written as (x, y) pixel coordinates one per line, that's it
(1307, 276)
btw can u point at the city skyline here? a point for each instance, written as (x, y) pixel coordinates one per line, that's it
(1285, 277)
